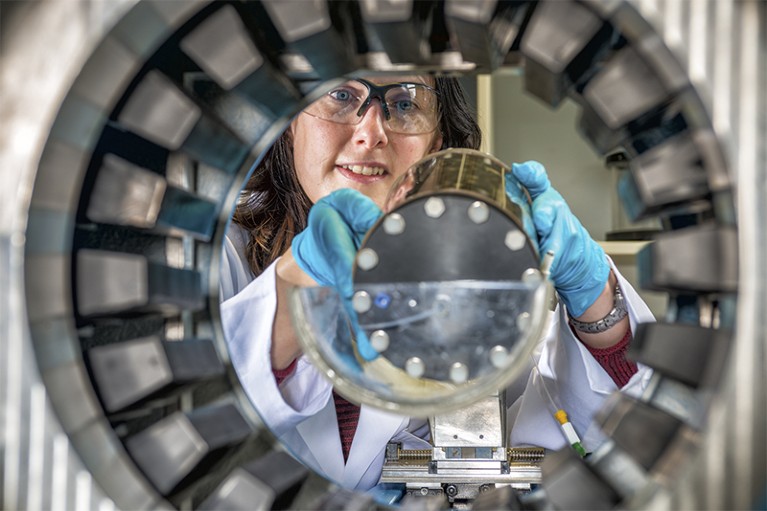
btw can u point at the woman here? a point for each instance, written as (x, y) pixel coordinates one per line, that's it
(305, 211)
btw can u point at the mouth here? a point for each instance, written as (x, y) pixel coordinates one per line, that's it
(364, 170)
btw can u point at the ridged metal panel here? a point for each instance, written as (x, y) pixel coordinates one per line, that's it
(721, 45)
(40, 468)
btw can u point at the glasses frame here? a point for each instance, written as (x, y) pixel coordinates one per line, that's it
(379, 92)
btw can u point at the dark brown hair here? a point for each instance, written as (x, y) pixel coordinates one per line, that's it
(273, 207)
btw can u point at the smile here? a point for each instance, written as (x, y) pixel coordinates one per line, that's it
(364, 170)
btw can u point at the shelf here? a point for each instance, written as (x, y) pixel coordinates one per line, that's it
(623, 252)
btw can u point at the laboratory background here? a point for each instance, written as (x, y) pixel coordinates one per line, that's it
(116, 388)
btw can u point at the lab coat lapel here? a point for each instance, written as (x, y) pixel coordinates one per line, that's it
(320, 433)
(374, 430)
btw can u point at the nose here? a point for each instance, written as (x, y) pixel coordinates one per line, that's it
(371, 131)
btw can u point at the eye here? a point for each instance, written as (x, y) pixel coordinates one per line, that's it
(341, 95)
(405, 105)
(406, 100)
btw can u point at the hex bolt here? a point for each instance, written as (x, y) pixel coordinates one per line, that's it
(499, 356)
(459, 373)
(379, 340)
(367, 259)
(394, 224)
(415, 367)
(434, 207)
(361, 301)
(515, 240)
(451, 490)
(479, 212)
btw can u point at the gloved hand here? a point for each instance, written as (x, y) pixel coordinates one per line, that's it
(325, 250)
(580, 268)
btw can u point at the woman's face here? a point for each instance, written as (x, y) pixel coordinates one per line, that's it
(367, 156)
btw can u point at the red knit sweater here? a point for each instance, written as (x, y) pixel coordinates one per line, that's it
(612, 359)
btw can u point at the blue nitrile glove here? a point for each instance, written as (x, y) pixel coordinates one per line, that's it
(517, 195)
(325, 250)
(580, 268)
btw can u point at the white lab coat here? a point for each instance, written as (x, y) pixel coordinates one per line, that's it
(301, 412)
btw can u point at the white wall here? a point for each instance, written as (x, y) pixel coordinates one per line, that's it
(524, 128)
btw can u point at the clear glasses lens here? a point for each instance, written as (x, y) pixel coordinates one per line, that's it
(412, 108)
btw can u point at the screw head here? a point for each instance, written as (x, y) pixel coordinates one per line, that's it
(499, 355)
(394, 224)
(415, 367)
(361, 301)
(515, 240)
(459, 373)
(434, 207)
(479, 212)
(379, 340)
(367, 259)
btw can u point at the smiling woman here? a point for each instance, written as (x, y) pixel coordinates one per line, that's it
(300, 222)
(297, 170)
(359, 137)
(364, 147)
(117, 389)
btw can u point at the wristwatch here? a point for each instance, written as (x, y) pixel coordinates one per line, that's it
(618, 312)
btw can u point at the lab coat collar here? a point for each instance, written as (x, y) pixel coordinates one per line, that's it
(374, 430)
(320, 434)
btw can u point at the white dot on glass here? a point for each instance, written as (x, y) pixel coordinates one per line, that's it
(379, 340)
(515, 240)
(394, 224)
(459, 373)
(498, 356)
(434, 207)
(361, 301)
(479, 212)
(415, 367)
(367, 259)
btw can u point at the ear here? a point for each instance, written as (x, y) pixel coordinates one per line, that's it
(437, 145)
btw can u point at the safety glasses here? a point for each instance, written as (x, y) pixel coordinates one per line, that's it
(409, 108)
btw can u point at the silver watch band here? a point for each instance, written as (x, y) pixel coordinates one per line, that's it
(618, 312)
